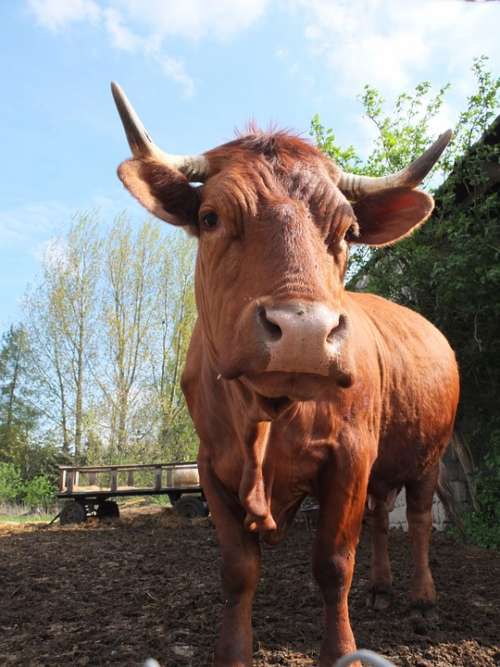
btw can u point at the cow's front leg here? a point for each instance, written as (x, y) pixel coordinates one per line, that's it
(240, 575)
(341, 512)
(240, 570)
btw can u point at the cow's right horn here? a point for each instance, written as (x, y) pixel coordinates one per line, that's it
(355, 186)
(194, 167)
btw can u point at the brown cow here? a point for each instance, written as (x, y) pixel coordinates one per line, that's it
(295, 385)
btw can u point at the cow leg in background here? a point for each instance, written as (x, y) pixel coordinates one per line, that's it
(240, 572)
(379, 596)
(342, 503)
(419, 496)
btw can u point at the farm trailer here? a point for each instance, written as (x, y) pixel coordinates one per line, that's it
(88, 489)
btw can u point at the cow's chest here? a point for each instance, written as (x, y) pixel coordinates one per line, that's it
(300, 453)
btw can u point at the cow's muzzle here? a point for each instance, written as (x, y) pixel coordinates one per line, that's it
(301, 337)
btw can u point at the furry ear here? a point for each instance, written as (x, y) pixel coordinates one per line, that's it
(388, 216)
(164, 191)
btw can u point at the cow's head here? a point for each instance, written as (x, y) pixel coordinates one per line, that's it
(274, 220)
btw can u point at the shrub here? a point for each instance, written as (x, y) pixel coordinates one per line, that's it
(11, 483)
(39, 492)
(483, 526)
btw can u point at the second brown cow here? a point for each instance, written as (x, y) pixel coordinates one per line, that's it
(296, 386)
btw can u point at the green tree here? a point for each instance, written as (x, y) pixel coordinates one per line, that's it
(61, 314)
(109, 323)
(11, 483)
(18, 417)
(177, 315)
(449, 269)
(128, 301)
(39, 492)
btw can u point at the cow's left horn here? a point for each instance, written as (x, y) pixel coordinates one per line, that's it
(355, 186)
(194, 167)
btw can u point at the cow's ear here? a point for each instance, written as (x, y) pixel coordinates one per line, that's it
(388, 216)
(164, 191)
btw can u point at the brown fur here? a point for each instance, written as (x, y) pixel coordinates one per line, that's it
(378, 421)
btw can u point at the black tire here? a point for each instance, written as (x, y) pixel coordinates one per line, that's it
(108, 509)
(72, 512)
(191, 507)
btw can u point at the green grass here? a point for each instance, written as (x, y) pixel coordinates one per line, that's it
(26, 518)
(20, 513)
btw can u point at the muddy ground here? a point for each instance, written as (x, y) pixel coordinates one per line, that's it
(147, 585)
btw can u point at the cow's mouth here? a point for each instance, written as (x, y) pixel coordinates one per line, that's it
(274, 407)
(276, 390)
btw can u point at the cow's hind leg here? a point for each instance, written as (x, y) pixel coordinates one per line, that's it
(419, 496)
(240, 572)
(380, 593)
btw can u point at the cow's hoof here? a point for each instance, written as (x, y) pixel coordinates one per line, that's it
(379, 598)
(423, 616)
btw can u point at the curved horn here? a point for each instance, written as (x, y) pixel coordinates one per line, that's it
(355, 186)
(194, 167)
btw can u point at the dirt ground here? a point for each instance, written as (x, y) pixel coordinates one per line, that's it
(148, 585)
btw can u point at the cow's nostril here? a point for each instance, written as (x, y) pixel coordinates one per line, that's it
(273, 330)
(338, 330)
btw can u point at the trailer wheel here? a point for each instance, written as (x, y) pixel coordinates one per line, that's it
(108, 509)
(72, 512)
(191, 507)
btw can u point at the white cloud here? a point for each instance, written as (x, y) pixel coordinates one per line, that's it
(392, 44)
(175, 71)
(26, 228)
(193, 19)
(25, 224)
(121, 36)
(56, 14)
(143, 26)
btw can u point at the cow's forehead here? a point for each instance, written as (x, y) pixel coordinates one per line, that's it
(257, 172)
(281, 150)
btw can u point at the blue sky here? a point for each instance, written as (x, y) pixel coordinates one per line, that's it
(196, 70)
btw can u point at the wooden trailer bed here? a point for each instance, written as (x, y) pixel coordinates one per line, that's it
(89, 488)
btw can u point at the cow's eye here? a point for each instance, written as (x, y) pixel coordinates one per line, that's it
(352, 234)
(209, 220)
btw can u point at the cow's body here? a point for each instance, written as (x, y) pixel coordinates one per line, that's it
(296, 386)
(399, 412)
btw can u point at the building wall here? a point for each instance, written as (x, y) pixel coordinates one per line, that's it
(397, 518)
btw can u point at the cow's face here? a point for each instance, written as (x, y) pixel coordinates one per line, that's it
(271, 262)
(274, 229)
